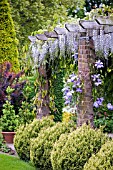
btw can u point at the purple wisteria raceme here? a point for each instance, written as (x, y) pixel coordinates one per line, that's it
(99, 64)
(98, 102)
(110, 106)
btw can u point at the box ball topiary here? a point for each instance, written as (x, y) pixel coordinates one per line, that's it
(25, 133)
(41, 147)
(79, 147)
(103, 160)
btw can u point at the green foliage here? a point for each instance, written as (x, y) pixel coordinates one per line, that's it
(30, 16)
(25, 133)
(8, 41)
(103, 159)
(57, 92)
(104, 117)
(1, 136)
(9, 120)
(26, 112)
(58, 145)
(79, 147)
(41, 147)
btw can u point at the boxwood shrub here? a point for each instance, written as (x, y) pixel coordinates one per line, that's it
(103, 160)
(41, 147)
(79, 147)
(57, 149)
(25, 133)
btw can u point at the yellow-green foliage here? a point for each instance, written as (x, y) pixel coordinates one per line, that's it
(8, 41)
(79, 147)
(24, 135)
(41, 147)
(57, 149)
(66, 117)
(103, 160)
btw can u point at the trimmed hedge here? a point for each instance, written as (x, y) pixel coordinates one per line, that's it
(8, 43)
(41, 147)
(79, 147)
(25, 133)
(103, 160)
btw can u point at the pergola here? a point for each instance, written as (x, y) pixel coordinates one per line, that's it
(88, 37)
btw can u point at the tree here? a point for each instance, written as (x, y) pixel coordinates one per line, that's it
(32, 15)
(8, 41)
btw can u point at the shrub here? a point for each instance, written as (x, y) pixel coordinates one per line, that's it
(79, 147)
(10, 79)
(41, 147)
(58, 147)
(25, 133)
(8, 43)
(103, 160)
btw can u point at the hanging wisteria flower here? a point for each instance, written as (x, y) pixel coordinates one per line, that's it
(98, 102)
(110, 106)
(99, 64)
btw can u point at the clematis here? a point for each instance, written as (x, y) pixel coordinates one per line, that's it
(110, 106)
(99, 81)
(98, 64)
(79, 90)
(95, 76)
(98, 102)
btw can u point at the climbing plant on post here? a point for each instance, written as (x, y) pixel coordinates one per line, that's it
(8, 41)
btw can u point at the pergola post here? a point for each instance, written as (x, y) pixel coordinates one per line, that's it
(85, 106)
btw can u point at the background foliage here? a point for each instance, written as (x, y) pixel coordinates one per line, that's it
(8, 41)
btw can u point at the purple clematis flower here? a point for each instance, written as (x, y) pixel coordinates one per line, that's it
(79, 90)
(99, 81)
(110, 106)
(98, 102)
(98, 64)
(95, 76)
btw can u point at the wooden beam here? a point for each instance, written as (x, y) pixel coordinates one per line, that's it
(51, 34)
(60, 31)
(91, 24)
(41, 37)
(108, 29)
(105, 20)
(32, 38)
(72, 27)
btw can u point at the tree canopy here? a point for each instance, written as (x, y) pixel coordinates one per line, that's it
(32, 15)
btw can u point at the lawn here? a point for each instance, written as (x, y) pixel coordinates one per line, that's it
(13, 163)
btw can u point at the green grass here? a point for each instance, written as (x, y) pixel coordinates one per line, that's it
(13, 163)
